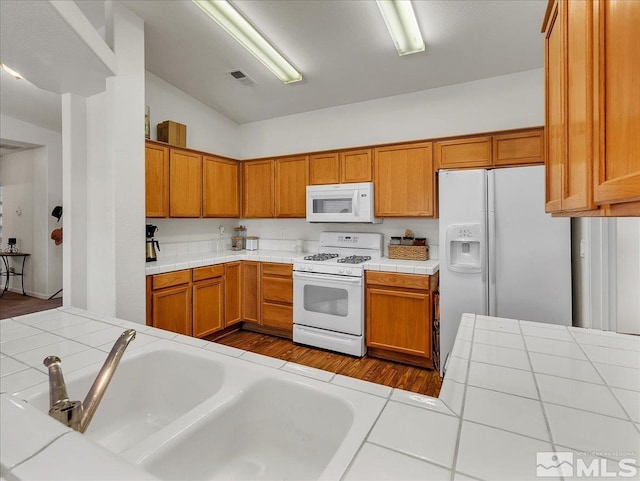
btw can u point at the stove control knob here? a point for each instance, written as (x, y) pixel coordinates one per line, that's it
(341, 270)
(307, 267)
(348, 270)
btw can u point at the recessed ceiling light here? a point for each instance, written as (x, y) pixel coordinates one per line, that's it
(12, 72)
(402, 25)
(246, 35)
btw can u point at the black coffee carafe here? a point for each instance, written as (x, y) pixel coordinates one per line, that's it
(151, 243)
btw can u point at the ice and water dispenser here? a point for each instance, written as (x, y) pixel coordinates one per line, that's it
(464, 246)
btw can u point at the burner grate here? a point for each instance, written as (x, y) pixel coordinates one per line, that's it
(321, 257)
(354, 259)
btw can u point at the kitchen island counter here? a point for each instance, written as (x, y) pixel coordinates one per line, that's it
(514, 393)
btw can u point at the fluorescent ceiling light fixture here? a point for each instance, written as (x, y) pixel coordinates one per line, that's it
(12, 72)
(246, 35)
(402, 25)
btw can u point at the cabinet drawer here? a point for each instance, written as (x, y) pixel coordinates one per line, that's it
(277, 269)
(277, 289)
(171, 279)
(208, 272)
(277, 315)
(390, 279)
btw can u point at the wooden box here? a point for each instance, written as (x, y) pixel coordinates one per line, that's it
(411, 253)
(172, 133)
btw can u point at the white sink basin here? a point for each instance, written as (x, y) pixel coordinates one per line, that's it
(148, 391)
(275, 429)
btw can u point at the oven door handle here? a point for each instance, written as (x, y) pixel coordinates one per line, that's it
(328, 277)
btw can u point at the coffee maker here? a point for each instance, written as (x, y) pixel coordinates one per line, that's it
(151, 243)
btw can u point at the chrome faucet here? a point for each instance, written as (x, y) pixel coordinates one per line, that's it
(75, 414)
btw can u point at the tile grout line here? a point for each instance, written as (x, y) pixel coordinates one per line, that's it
(39, 450)
(413, 456)
(535, 382)
(456, 448)
(607, 385)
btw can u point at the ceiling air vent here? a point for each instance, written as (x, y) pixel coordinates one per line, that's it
(243, 78)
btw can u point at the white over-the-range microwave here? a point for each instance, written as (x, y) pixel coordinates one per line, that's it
(341, 203)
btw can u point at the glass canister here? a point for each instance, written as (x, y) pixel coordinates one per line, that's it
(241, 235)
(237, 243)
(395, 241)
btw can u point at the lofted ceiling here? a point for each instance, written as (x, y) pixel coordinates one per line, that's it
(342, 48)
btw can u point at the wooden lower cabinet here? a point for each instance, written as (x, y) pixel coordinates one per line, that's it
(277, 297)
(399, 317)
(208, 307)
(233, 293)
(171, 309)
(251, 292)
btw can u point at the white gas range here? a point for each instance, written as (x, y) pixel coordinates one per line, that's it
(328, 292)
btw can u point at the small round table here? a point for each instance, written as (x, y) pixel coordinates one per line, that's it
(8, 273)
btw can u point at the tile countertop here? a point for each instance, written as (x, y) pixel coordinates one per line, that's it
(513, 389)
(189, 261)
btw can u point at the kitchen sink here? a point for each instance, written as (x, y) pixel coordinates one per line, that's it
(148, 391)
(273, 429)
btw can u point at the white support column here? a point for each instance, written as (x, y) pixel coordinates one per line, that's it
(74, 180)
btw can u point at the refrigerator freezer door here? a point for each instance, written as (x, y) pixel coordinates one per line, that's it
(462, 201)
(532, 262)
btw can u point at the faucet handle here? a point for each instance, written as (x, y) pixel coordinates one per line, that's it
(68, 413)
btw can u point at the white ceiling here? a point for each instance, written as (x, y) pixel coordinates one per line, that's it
(342, 48)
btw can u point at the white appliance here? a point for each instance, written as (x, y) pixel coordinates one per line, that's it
(341, 203)
(503, 255)
(328, 292)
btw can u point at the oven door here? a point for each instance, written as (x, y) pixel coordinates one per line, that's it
(331, 302)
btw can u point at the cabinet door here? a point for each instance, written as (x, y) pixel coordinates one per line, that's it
(617, 168)
(208, 307)
(399, 320)
(232, 293)
(324, 168)
(185, 180)
(220, 192)
(251, 291)
(469, 152)
(555, 157)
(577, 182)
(518, 148)
(156, 176)
(257, 189)
(172, 309)
(356, 166)
(292, 178)
(404, 181)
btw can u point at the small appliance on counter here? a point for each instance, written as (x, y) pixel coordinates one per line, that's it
(252, 243)
(152, 243)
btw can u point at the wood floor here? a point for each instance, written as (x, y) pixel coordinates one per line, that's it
(389, 373)
(13, 304)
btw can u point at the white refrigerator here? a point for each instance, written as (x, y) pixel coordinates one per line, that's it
(500, 253)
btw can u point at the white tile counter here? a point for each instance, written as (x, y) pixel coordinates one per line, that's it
(189, 261)
(512, 390)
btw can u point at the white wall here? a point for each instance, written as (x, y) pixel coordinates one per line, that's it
(497, 103)
(207, 130)
(18, 196)
(47, 179)
(628, 275)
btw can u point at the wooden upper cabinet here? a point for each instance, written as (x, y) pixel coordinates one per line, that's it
(291, 180)
(156, 162)
(404, 180)
(518, 148)
(356, 166)
(617, 126)
(554, 45)
(257, 188)
(324, 168)
(466, 152)
(220, 187)
(185, 184)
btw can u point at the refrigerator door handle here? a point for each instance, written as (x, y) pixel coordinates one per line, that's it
(492, 244)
